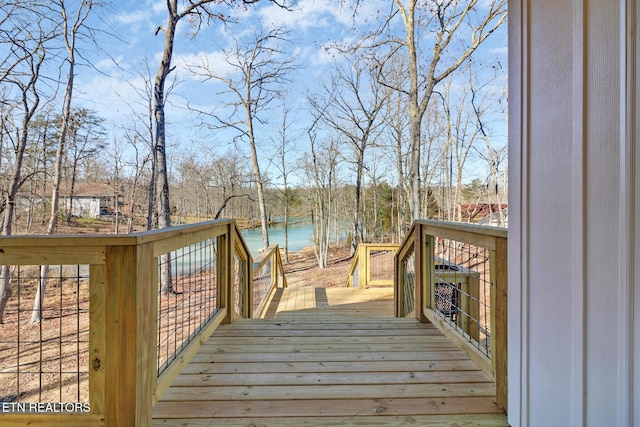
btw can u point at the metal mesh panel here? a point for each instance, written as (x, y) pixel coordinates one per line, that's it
(261, 284)
(381, 265)
(461, 290)
(355, 276)
(408, 271)
(46, 361)
(189, 300)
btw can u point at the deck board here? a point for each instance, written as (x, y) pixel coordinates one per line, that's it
(329, 357)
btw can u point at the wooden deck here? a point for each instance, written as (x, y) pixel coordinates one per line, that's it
(329, 357)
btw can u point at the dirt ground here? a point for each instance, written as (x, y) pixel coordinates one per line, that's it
(302, 269)
(47, 361)
(48, 352)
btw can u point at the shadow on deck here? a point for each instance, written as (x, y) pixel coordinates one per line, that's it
(330, 357)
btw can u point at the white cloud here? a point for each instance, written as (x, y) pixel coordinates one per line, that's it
(497, 51)
(318, 56)
(106, 64)
(211, 61)
(159, 7)
(136, 17)
(308, 14)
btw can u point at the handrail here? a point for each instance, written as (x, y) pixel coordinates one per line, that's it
(364, 273)
(264, 284)
(126, 318)
(442, 270)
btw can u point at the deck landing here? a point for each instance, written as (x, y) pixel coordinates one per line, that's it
(329, 357)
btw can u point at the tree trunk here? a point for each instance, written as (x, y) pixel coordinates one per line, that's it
(71, 191)
(256, 172)
(7, 220)
(9, 202)
(70, 35)
(164, 209)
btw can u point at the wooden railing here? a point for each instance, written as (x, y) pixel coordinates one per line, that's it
(455, 276)
(372, 265)
(126, 327)
(268, 275)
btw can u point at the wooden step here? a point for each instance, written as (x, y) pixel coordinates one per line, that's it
(308, 367)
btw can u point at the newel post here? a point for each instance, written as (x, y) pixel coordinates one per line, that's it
(398, 285)
(224, 270)
(424, 253)
(130, 334)
(363, 267)
(499, 290)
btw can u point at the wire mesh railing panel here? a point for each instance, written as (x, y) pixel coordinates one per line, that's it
(262, 283)
(355, 274)
(188, 297)
(381, 266)
(461, 290)
(408, 272)
(239, 284)
(44, 347)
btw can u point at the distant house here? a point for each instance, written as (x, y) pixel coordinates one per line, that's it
(91, 200)
(500, 218)
(483, 213)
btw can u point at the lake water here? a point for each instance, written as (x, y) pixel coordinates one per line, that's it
(300, 236)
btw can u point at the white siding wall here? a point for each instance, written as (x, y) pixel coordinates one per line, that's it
(88, 207)
(572, 213)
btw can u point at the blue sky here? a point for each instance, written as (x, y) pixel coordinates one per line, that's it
(110, 89)
(313, 24)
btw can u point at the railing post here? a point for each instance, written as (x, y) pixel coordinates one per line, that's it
(427, 259)
(281, 268)
(130, 317)
(398, 285)
(363, 267)
(274, 268)
(248, 291)
(225, 277)
(499, 288)
(97, 338)
(423, 253)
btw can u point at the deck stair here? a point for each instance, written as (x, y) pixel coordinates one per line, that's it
(330, 357)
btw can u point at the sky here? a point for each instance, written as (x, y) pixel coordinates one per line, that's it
(313, 25)
(131, 46)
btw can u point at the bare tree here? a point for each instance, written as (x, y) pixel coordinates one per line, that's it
(141, 130)
(229, 179)
(284, 145)
(24, 28)
(355, 104)
(43, 129)
(260, 69)
(199, 12)
(141, 169)
(29, 101)
(439, 36)
(461, 134)
(396, 130)
(494, 156)
(209, 183)
(320, 169)
(86, 137)
(73, 29)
